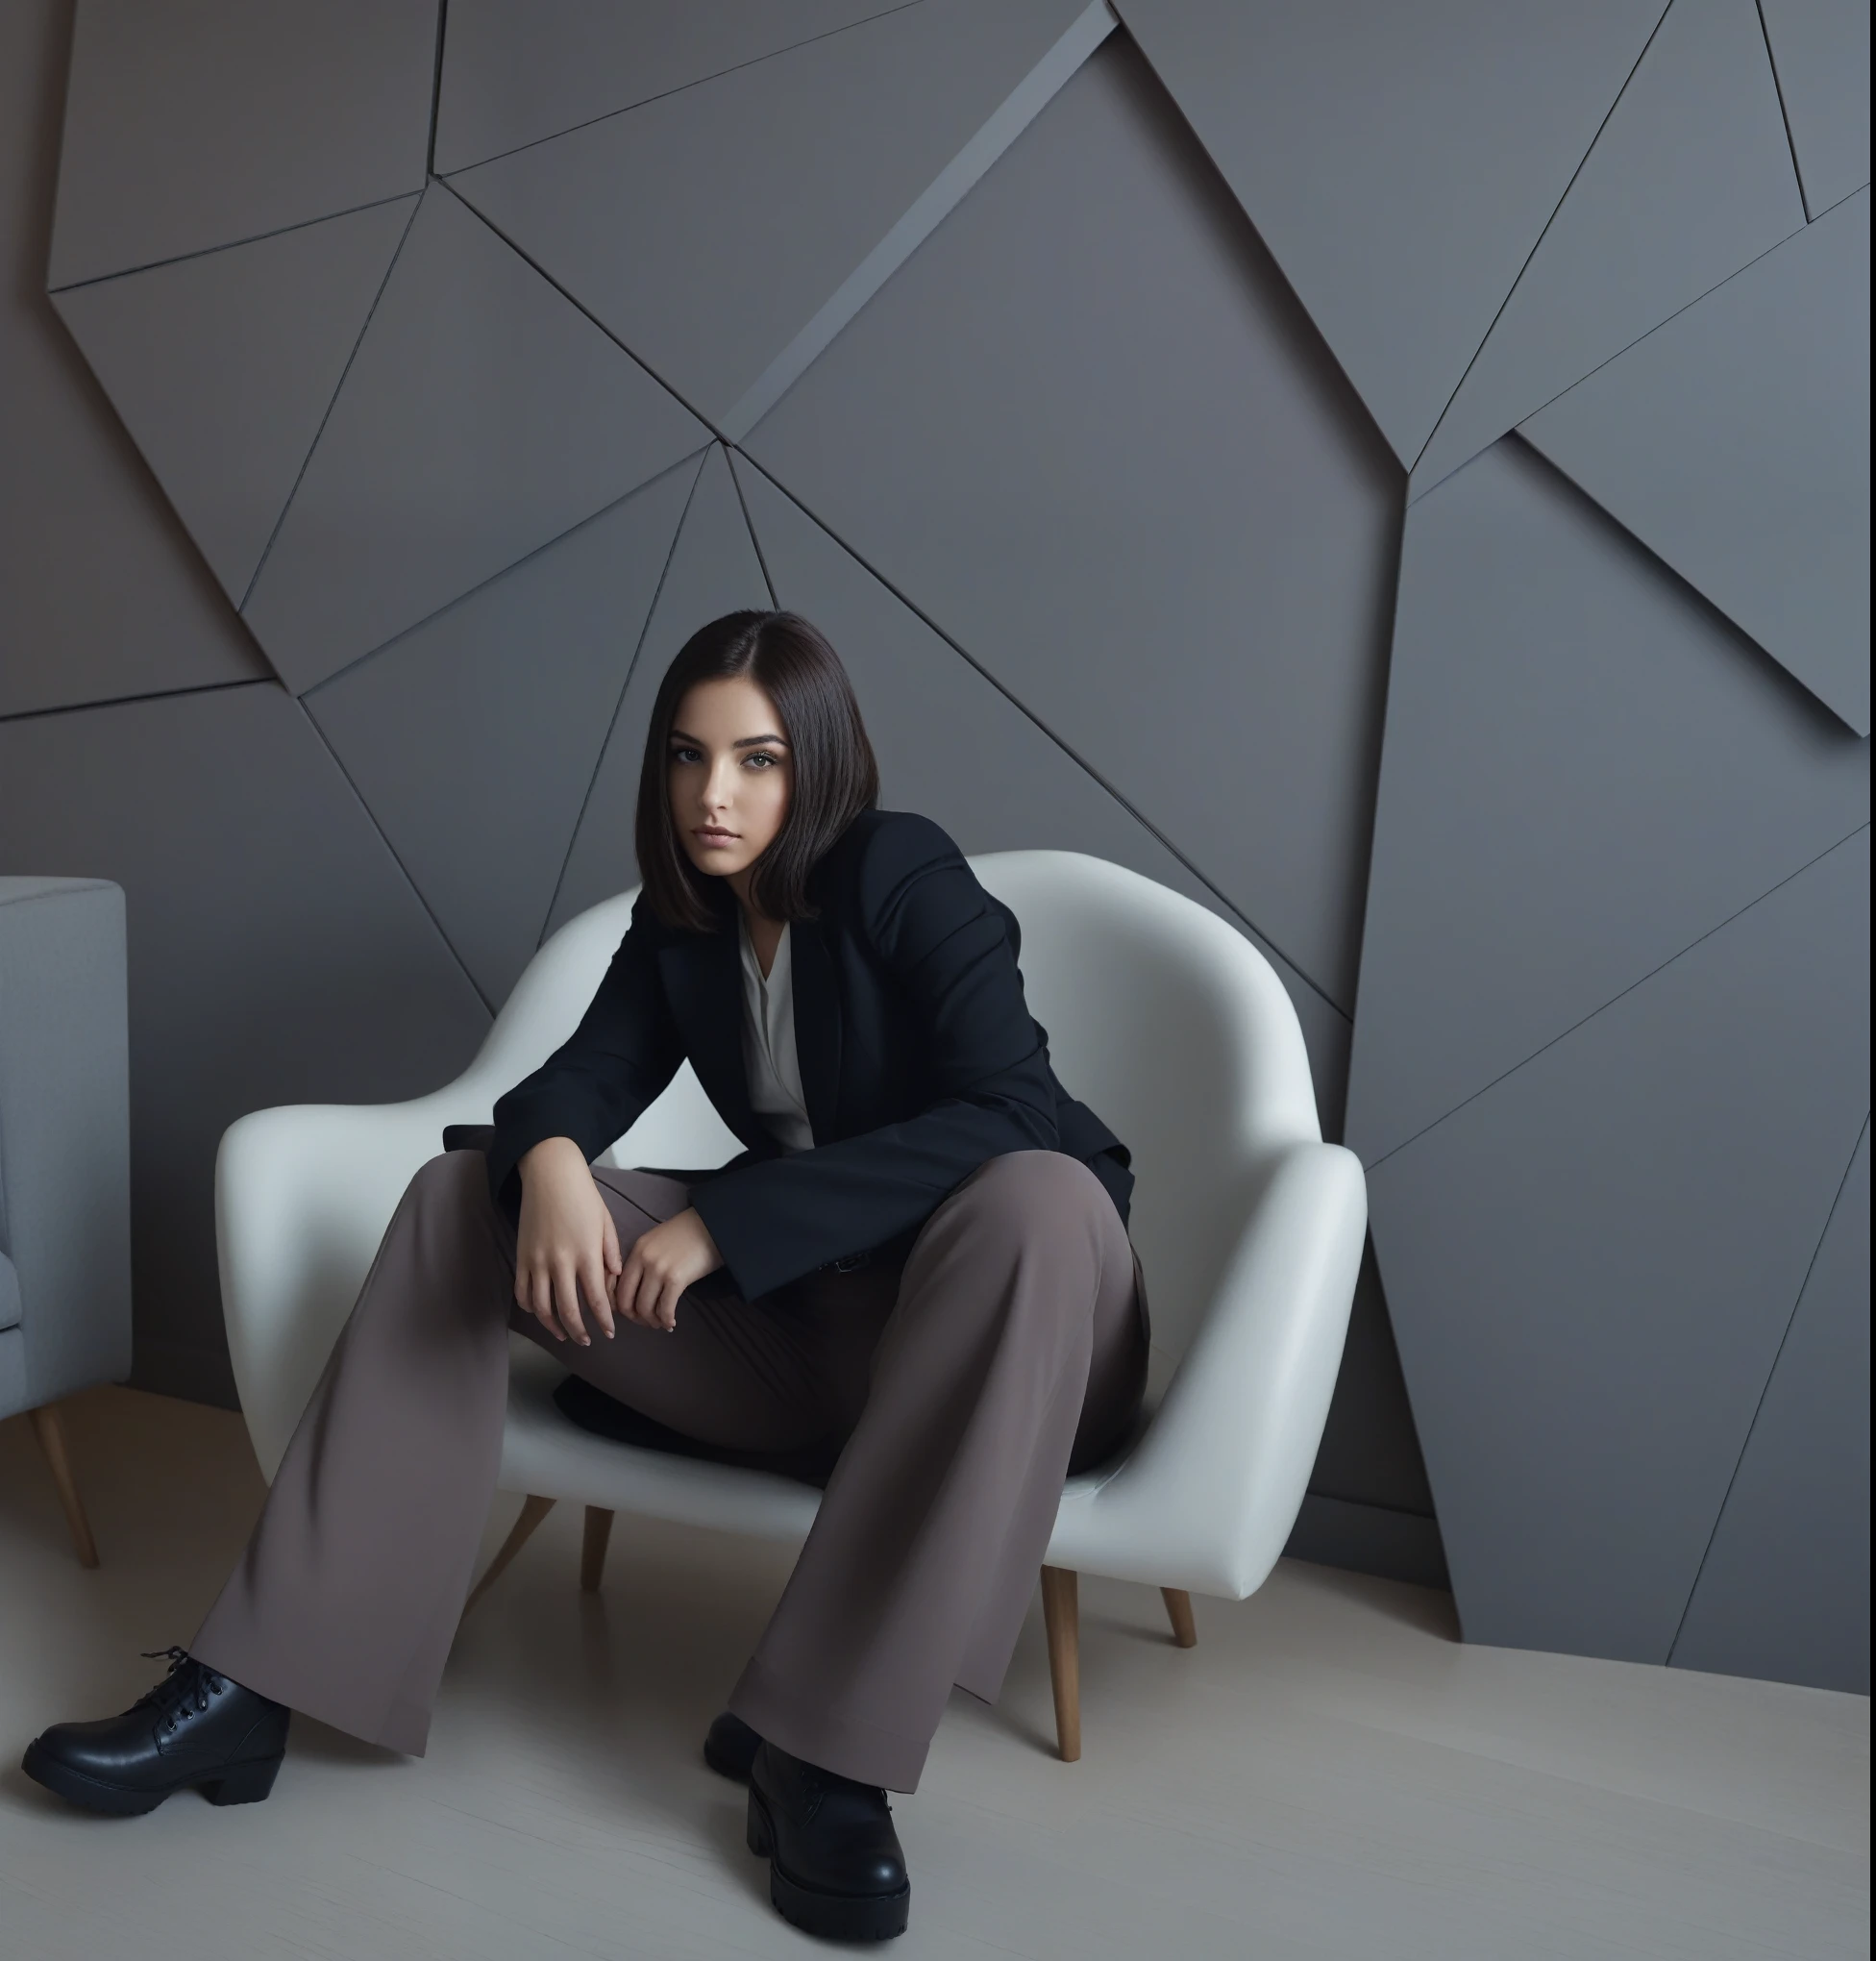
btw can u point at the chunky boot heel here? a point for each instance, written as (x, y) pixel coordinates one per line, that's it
(835, 1866)
(247, 1784)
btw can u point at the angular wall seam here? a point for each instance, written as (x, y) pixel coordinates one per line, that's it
(1538, 242)
(668, 84)
(1785, 112)
(443, 183)
(436, 86)
(1758, 1408)
(147, 695)
(1018, 109)
(483, 584)
(223, 366)
(404, 871)
(1689, 179)
(1375, 1163)
(261, 564)
(370, 204)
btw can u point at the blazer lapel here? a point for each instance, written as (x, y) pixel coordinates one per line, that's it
(703, 984)
(817, 1026)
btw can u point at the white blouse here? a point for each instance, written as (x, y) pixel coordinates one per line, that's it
(768, 1055)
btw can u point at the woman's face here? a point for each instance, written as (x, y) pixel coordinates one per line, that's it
(731, 777)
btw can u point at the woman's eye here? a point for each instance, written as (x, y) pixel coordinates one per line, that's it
(761, 756)
(683, 754)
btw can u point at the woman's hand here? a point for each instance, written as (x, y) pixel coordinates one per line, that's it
(660, 1265)
(567, 1245)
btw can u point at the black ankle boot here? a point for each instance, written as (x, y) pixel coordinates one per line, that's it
(835, 1867)
(194, 1727)
(730, 1746)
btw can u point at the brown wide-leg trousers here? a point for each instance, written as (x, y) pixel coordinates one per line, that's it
(960, 1385)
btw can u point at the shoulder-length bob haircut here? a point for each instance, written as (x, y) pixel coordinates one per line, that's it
(835, 774)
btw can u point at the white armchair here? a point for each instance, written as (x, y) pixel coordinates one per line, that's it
(1249, 1230)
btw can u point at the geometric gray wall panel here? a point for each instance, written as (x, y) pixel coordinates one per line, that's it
(194, 123)
(1591, 1265)
(512, 75)
(101, 594)
(1689, 180)
(1734, 441)
(707, 229)
(277, 955)
(1821, 50)
(222, 366)
(1784, 1590)
(1088, 433)
(714, 569)
(472, 737)
(1586, 770)
(952, 745)
(1399, 162)
(483, 415)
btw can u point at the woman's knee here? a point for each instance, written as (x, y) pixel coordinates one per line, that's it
(451, 1175)
(450, 1191)
(1034, 1195)
(1034, 1206)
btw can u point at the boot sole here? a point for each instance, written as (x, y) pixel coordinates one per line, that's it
(833, 1915)
(239, 1784)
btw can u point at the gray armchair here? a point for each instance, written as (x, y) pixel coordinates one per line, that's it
(65, 1158)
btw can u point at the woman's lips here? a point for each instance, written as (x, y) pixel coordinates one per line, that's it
(706, 836)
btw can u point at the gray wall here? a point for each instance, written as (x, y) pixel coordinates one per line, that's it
(1396, 474)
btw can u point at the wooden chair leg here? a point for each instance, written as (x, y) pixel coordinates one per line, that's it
(51, 1433)
(1178, 1610)
(1061, 1621)
(592, 1548)
(533, 1512)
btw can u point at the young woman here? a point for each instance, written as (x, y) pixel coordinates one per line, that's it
(919, 1261)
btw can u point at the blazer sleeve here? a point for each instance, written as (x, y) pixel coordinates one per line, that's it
(593, 1088)
(943, 942)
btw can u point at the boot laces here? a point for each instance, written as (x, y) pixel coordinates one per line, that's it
(186, 1685)
(822, 1783)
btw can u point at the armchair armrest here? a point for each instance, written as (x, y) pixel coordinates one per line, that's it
(303, 1195)
(1208, 1495)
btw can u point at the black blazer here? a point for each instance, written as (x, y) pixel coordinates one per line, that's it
(920, 1060)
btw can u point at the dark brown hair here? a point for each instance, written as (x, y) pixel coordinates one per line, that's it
(835, 774)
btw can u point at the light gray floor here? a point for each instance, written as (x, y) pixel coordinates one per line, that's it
(1327, 1774)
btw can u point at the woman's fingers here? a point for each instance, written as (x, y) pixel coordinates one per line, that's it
(566, 1299)
(540, 1301)
(597, 1283)
(625, 1289)
(647, 1287)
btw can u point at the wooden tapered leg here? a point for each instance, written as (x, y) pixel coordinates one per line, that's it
(51, 1433)
(1061, 1621)
(532, 1512)
(1178, 1610)
(592, 1548)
